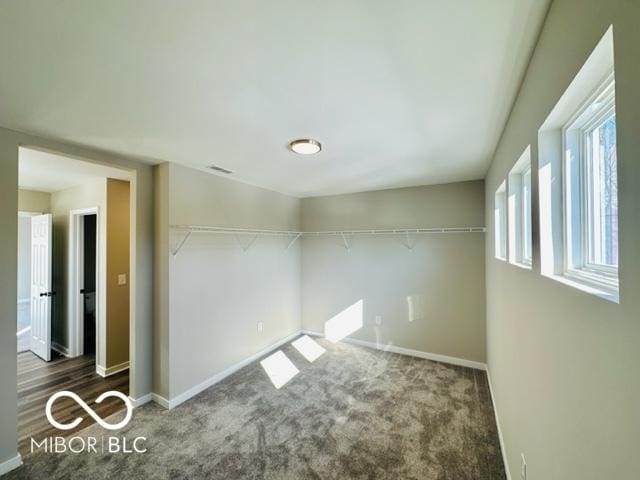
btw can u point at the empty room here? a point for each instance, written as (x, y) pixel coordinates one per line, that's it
(320, 240)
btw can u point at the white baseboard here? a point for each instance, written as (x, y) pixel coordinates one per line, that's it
(11, 464)
(463, 362)
(105, 372)
(160, 400)
(61, 349)
(138, 402)
(495, 412)
(183, 397)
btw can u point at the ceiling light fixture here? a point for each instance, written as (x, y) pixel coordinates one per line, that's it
(305, 146)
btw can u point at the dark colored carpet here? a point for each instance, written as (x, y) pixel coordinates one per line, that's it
(354, 413)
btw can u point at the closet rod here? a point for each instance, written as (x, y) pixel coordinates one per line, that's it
(294, 235)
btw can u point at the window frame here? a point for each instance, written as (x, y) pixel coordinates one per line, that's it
(527, 235)
(581, 125)
(500, 214)
(520, 220)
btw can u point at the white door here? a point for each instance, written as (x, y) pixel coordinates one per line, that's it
(41, 233)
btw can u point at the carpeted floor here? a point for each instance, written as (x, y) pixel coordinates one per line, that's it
(354, 413)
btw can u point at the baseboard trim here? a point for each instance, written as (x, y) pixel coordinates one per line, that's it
(11, 464)
(105, 372)
(160, 400)
(463, 362)
(500, 437)
(193, 391)
(138, 402)
(61, 349)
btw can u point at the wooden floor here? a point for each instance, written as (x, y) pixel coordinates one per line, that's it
(38, 380)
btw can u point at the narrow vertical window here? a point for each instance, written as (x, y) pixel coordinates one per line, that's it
(500, 222)
(577, 180)
(520, 240)
(527, 247)
(591, 190)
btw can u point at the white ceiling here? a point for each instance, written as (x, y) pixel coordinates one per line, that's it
(48, 172)
(399, 92)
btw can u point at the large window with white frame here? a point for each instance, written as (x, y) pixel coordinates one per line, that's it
(577, 174)
(591, 190)
(519, 206)
(500, 222)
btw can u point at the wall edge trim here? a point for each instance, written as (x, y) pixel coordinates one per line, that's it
(436, 357)
(105, 372)
(11, 464)
(500, 437)
(196, 389)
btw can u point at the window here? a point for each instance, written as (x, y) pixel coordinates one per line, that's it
(591, 190)
(577, 180)
(500, 222)
(527, 244)
(520, 239)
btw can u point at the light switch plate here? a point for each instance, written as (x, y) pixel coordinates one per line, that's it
(122, 279)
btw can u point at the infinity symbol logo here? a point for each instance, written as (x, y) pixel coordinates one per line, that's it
(89, 410)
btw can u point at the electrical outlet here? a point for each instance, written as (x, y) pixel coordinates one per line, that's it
(122, 279)
(523, 468)
(378, 320)
(259, 327)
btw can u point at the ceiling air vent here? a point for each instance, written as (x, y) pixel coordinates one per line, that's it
(219, 169)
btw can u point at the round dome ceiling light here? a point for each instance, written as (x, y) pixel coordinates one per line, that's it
(305, 146)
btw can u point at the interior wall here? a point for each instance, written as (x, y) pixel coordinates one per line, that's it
(32, 201)
(563, 362)
(218, 292)
(430, 298)
(141, 256)
(161, 281)
(91, 194)
(117, 238)
(8, 295)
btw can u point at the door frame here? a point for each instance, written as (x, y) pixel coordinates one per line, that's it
(76, 279)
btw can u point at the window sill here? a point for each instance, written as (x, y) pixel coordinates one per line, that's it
(575, 281)
(524, 266)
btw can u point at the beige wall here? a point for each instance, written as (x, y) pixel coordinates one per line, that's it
(564, 363)
(117, 313)
(141, 257)
(32, 201)
(91, 194)
(430, 298)
(161, 281)
(218, 292)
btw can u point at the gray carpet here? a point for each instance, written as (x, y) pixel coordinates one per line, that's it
(354, 413)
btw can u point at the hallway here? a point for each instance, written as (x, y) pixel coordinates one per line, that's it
(38, 380)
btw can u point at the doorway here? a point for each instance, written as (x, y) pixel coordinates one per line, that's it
(84, 284)
(79, 235)
(89, 270)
